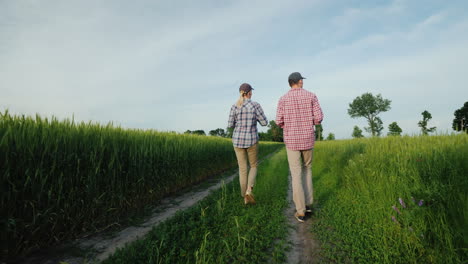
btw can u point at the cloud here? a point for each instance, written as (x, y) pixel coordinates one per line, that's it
(353, 20)
(419, 67)
(177, 65)
(95, 56)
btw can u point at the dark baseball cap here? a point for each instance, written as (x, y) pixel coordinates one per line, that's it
(245, 87)
(295, 77)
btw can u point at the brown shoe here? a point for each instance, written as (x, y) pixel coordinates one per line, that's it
(300, 218)
(250, 198)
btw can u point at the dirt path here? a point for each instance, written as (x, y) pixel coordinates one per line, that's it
(98, 247)
(169, 206)
(305, 248)
(167, 209)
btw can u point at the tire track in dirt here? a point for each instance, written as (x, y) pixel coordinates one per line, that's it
(305, 247)
(103, 245)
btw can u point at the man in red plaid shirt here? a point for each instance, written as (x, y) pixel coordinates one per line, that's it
(297, 113)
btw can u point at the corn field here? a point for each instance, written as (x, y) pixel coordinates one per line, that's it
(61, 178)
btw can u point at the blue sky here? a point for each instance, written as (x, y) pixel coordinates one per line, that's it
(177, 65)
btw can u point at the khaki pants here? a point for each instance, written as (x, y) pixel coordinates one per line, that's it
(244, 154)
(300, 165)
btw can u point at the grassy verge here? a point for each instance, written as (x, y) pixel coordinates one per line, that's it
(221, 229)
(359, 183)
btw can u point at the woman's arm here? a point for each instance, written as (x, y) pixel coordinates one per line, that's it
(261, 118)
(232, 117)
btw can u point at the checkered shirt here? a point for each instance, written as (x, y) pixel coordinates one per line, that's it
(244, 121)
(297, 113)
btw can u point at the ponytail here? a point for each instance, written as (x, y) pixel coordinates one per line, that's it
(240, 101)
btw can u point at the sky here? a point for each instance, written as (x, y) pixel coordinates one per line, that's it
(177, 65)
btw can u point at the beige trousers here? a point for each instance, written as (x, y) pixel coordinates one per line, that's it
(244, 154)
(300, 165)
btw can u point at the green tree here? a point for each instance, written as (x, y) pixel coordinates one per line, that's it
(196, 132)
(275, 131)
(217, 132)
(394, 129)
(318, 132)
(423, 123)
(357, 132)
(460, 122)
(378, 127)
(264, 136)
(331, 136)
(369, 106)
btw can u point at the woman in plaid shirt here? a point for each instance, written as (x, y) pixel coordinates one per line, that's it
(243, 118)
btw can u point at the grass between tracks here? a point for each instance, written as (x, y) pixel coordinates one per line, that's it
(221, 229)
(358, 185)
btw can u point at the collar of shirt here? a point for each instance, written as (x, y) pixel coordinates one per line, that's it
(295, 89)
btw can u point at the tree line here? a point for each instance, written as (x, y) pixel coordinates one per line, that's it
(369, 107)
(274, 133)
(365, 106)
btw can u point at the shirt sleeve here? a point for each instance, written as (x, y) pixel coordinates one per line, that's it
(232, 117)
(261, 118)
(318, 114)
(280, 114)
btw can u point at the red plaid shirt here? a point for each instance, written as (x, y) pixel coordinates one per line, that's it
(298, 111)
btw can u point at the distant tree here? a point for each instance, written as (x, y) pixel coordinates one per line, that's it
(318, 132)
(275, 131)
(460, 122)
(357, 132)
(219, 132)
(264, 136)
(196, 132)
(423, 123)
(394, 129)
(378, 126)
(369, 106)
(199, 132)
(331, 136)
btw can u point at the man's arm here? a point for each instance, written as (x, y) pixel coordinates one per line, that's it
(280, 114)
(317, 111)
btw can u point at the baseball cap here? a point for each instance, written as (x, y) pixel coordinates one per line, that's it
(295, 77)
(245, 87)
